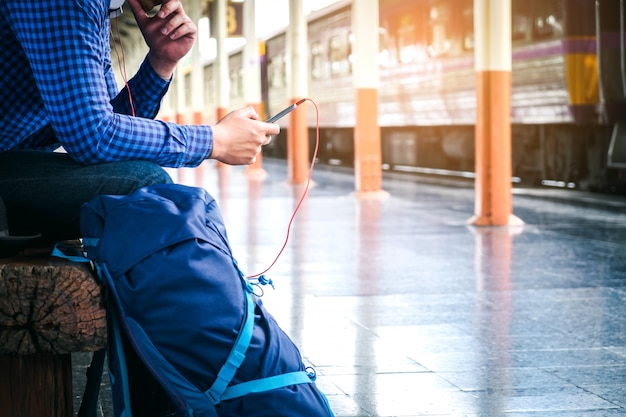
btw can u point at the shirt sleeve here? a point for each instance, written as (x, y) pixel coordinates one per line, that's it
(143, 94)
(69, 57)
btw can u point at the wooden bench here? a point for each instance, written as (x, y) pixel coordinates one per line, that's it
(49, 308)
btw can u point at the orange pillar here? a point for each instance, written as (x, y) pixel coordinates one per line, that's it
(252, 78)
(197, 71)
(221, 81)
(367, 147)
(220, 113)
(298, 146)
(297, 132)
(180, 98)
(197, 117)
(179, 85)
(493, 199)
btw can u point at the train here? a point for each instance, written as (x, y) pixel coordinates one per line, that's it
(568, 103)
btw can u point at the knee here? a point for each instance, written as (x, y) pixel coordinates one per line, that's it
(133, 175)
(153, 173)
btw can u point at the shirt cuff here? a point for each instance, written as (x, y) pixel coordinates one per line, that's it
(150, 82)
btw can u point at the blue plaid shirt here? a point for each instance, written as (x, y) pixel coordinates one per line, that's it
(57, 88)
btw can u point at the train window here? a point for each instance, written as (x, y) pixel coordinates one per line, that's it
(236, 83)
(439, 19)
(404, 36)
(240, 91)
(187, 87)
(317, 61)
(407, 40)
(383, 47)
(277, 71)
(172, 94)
(521, 20)
(548, 18)
(233, 84)
(338, 55)
(349, 52)
(209, 90)
(468, 27)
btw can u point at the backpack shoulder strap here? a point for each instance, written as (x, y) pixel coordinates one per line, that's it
(267, 384)
(220, 391)
(89, 403)
(237, 353)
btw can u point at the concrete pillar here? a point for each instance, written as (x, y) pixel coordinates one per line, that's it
(179, 84)
(297, 133)
(252, 75)
(165, 113)
(492, 32)
(221, 79)
(197, 71)
(367, 147)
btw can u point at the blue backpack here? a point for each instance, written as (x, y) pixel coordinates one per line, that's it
(175, 290)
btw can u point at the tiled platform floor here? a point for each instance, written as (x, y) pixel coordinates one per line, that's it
(405, 310)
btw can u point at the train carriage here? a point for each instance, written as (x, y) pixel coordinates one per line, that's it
(568, 84)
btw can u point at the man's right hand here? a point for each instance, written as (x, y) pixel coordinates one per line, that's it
(169, 33)
(239, 136)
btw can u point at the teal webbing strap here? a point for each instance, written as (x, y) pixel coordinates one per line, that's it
(114, 323)
(90, 241)
(237, 353)
(266, 384)
(220, 391)
(123, 377)
(68, 252)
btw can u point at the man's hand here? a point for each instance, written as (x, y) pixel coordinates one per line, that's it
(169, 34)
(239, 136)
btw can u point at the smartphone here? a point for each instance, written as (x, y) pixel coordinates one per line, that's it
(285, 111)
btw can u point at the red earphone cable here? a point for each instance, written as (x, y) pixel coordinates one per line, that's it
(122, 64)
(304, 193)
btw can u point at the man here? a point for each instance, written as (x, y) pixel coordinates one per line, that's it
(58, 89)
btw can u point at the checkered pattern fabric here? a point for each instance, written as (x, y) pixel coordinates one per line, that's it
(58, 88)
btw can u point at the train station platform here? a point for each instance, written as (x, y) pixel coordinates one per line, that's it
(406, 310)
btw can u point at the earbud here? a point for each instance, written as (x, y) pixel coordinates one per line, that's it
(115, 8)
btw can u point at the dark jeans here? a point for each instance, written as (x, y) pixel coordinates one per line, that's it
(43, 193)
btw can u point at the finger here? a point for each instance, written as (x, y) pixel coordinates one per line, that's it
(177, 28)
(250, 113)
(140, 15)
(273, 130)
(169, 7)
